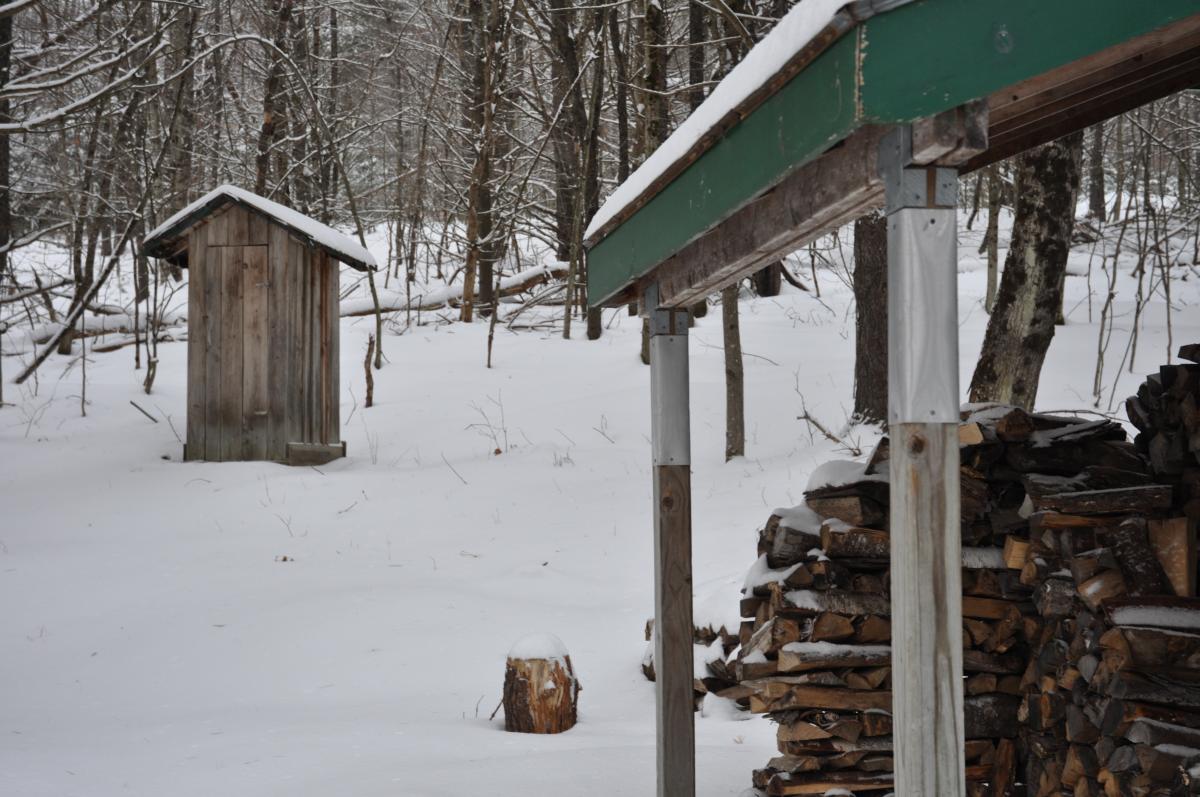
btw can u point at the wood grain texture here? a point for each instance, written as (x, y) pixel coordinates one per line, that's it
(926, 610)
(297, 289)
(333, 412)
(277, 342)
(255, 361)
(213, 354)
(229, 403)
(217, 227)
(258, 229)
(197, 349)
(313, 453)
(673, 631)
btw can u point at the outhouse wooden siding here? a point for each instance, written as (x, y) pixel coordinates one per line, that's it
(263, 341)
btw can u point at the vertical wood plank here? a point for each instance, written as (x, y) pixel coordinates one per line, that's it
(258, 229)
(197, 349)
(255, 363)
(217, 228)
(213, 350)
(673, 651)
(927, 700)
(230, 405)
(335, 355)
(296, 329)
(321, 319)
(279, 374)
(313, 348)
(238, 226)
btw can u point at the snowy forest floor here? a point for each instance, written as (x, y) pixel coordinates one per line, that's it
(155, 641)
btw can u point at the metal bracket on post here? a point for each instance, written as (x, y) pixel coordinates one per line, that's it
(926, 558)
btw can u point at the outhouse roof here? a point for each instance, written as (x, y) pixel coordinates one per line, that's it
(167, 240)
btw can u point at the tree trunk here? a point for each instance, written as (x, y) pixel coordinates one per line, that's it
(1022, 324)
(6, 230)
(991, 238)
(871, 318)
(654, 119)
(768, 280)
(281, 11)
(735, 415)
(1096, 208)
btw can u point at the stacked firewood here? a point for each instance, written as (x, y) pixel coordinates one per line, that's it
(816, 655)
(1166, 412)
(1114, 656)
(1113, 692)
(815, 649)
(714, 664)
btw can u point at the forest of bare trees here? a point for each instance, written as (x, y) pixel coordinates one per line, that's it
(464, 130)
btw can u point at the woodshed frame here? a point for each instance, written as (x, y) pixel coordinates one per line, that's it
(887, 105)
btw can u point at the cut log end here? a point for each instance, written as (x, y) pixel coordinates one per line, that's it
(541, 695)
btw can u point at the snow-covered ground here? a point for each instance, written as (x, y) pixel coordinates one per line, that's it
(252, 629)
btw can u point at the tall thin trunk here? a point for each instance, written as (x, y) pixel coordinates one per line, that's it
(991, 238)
(654, 119)
(871, 318)
(735, 414)
(281, 11)
(6, 230)
(1096, 204)
(1022, 324)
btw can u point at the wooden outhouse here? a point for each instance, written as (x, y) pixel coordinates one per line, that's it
(263, 381)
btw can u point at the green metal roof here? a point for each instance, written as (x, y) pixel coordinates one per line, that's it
(913, 61)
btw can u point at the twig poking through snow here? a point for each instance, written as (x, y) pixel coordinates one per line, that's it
(142, 411)
(451, 467)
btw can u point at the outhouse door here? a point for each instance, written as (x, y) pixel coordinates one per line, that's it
(238, 353)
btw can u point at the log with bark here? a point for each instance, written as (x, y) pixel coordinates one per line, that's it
(541, 692)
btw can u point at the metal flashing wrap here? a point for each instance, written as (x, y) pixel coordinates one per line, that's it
(922, 316)
(670, 420)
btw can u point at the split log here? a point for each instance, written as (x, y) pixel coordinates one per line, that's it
(1175, 546)
(841, 541)
(1131, 547)
(1144, 500)
(801, 656)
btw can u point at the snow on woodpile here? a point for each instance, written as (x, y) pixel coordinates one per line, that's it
(837, 473)
(337, 244)
(797, 28)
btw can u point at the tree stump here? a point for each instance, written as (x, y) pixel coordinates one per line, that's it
(540, 688)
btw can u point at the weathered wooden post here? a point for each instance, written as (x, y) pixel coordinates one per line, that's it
(671, 442)
(927, 693)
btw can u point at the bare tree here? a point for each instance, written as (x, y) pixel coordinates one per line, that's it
(1022, 322)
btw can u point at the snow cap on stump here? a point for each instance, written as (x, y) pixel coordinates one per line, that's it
(541, 691)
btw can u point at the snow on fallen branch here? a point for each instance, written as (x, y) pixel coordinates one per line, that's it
(395, 300)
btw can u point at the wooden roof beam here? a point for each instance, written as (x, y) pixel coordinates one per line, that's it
(820, 196)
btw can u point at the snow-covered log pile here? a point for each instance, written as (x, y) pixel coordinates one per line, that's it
(1166, 412)
(1113, 694)
(1038, 493)
(713, 662)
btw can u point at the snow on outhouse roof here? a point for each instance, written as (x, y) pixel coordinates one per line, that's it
(164, 241)
(767, 58)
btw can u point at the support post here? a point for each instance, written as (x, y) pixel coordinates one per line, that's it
(926, 575)
(671, 442)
